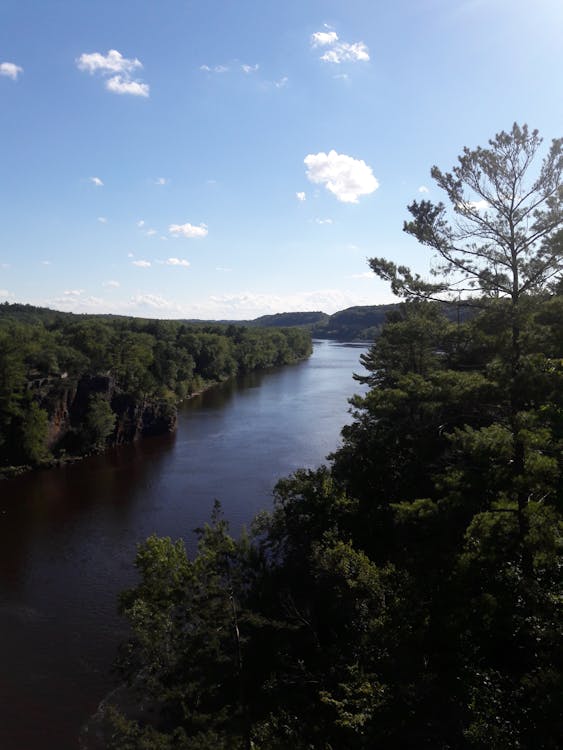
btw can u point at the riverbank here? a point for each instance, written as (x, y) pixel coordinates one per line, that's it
(69, 536)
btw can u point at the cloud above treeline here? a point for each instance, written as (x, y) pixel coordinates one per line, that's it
(10, 70)
(241, 305)
(336, 51)
(345, 177)
(119, 71)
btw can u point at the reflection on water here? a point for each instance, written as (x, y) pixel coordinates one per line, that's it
(68, 536)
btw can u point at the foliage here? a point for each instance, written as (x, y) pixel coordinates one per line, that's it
(504, 238)
(51, 365)
(409, 596)
(99, 421)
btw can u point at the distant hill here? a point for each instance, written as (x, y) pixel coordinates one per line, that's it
(284, 320)
(360, 323)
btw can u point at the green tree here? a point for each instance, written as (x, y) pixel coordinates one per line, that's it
(99, 421)
(33, 434)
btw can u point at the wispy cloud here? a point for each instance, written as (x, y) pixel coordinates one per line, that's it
(365, 275)
(336, 51)
(142, 263)
(178, 262)
(141, 223)
(102, 220)
(323, 221)
(188, 230)
(214, 68)
(96, 181)
(423, 189)
(10, 70)
(119, 69)
(301, 196)
(232, 67)
(111, 284)
(278, 83)
(161, 181)
(345, 177)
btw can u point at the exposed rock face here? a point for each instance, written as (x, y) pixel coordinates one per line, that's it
(140, 419)
(134, 418)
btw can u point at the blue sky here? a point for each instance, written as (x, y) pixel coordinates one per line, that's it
(226, 159)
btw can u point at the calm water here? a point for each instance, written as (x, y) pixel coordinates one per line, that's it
(68, 536)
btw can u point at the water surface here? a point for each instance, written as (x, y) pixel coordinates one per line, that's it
(68, 536)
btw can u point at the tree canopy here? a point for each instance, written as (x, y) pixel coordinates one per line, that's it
(408, 595)
(501, 235)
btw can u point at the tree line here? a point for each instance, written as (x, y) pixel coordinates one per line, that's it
(85, 370)
(408, 595)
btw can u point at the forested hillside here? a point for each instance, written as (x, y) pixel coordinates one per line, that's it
(72, 384)
(409, 595)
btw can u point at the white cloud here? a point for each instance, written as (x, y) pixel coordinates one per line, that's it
(96, 181)
(154, 301)
(111, 284)
(5, 294)
(121, 85)
(281, 83)
(161, 181)
(233, 306)
(130, 255)
(178, 262)
(250, 304)
(222, 269)
(119, 68)
(102, 220)
(344, 52)
(77, 303)
(423, 189)
(141, 223)
(301, 196)
(323, 38)
(112, 63)
(323, 221)
(347, 178)
(215, 68)
(481, 205)
(188, 230)
(45, 262)
(142, 263)
(10, 70)
(73, 292)
(366, 275)
(249, 68)
(151, 232)
(337, 51)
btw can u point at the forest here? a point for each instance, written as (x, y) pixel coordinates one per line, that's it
(407, 595)
(75, 384)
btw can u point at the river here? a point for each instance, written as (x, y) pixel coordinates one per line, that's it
(68, 536)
